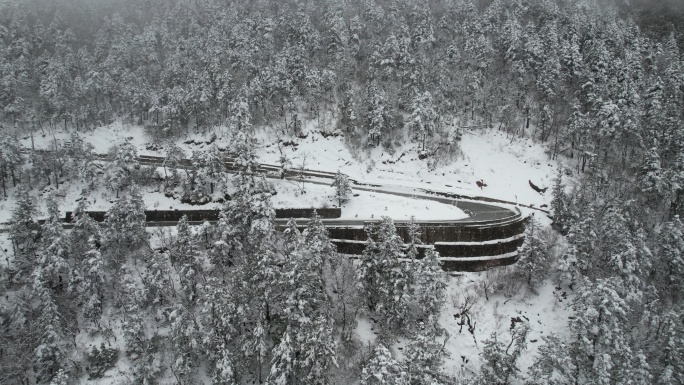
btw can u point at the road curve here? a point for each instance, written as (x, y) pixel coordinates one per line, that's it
(488, 237)
(479, 212)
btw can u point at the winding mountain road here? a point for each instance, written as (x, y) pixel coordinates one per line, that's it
(488, 237)
(478, 211)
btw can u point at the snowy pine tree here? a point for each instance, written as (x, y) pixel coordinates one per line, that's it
(52, 264)
(601, 350)
(423, 356)
(186, 256)
(343, 189)
(306, 312)
(283, 363)
(125, 223)
(383, 369)
(384, 278)
(669, 350)
(553, 364)
(533, 263)
(561, 213)
(52, 347)
(185, 338)
(318, 243)
(431, 285)
(92, 285)
(173, 162)
(292, 238)
(24, 229)
(84, 229)
(220, 319)
(651, 179)
(670, 254)
(120, 173)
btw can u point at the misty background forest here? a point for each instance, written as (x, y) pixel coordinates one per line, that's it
(598, 84)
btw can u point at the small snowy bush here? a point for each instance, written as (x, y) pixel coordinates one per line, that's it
(100, 360)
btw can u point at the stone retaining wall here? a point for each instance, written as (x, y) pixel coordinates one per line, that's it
(213, 215)
(469, 243)
(431, 233)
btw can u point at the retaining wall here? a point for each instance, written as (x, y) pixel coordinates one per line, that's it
(213, 215)
(462, 247)
(472, 264)
(494, 256)
(357, 248)
(431, 233)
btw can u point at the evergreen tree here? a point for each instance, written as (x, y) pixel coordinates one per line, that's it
(185, 341)
(669, 351)
(582, 238)
(348, 110)
(423, 117)
(52, 262)
(342, 188)
(156, 278)
(377, 117)
(533, 262)
(51, 349)
(283, 363)
(423, 356)
(92, 285)
(383, 369)
(670, 253)
(84, 229)
(651, 180)
(174, 161)
(431, 287)
(10, 160)
(186, 256)
(121, 171)
(553, 364)
(562, 218)
(292, 238)
(125, 223)
(306, 311)
(248, 238)
(384, 278)
(317, 241)
(601, 350)
(622, 252)
(220, 319)
(60, 379)
(23, 229)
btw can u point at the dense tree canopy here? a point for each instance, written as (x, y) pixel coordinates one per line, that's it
(599, 83)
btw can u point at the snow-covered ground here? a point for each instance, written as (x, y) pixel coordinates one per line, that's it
(364, 205)
(504, 164)
(546, 312)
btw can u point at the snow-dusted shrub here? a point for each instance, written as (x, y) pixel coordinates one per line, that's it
(499, 359)
(100, 360)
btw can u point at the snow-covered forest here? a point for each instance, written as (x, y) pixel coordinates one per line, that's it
(597, 84)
